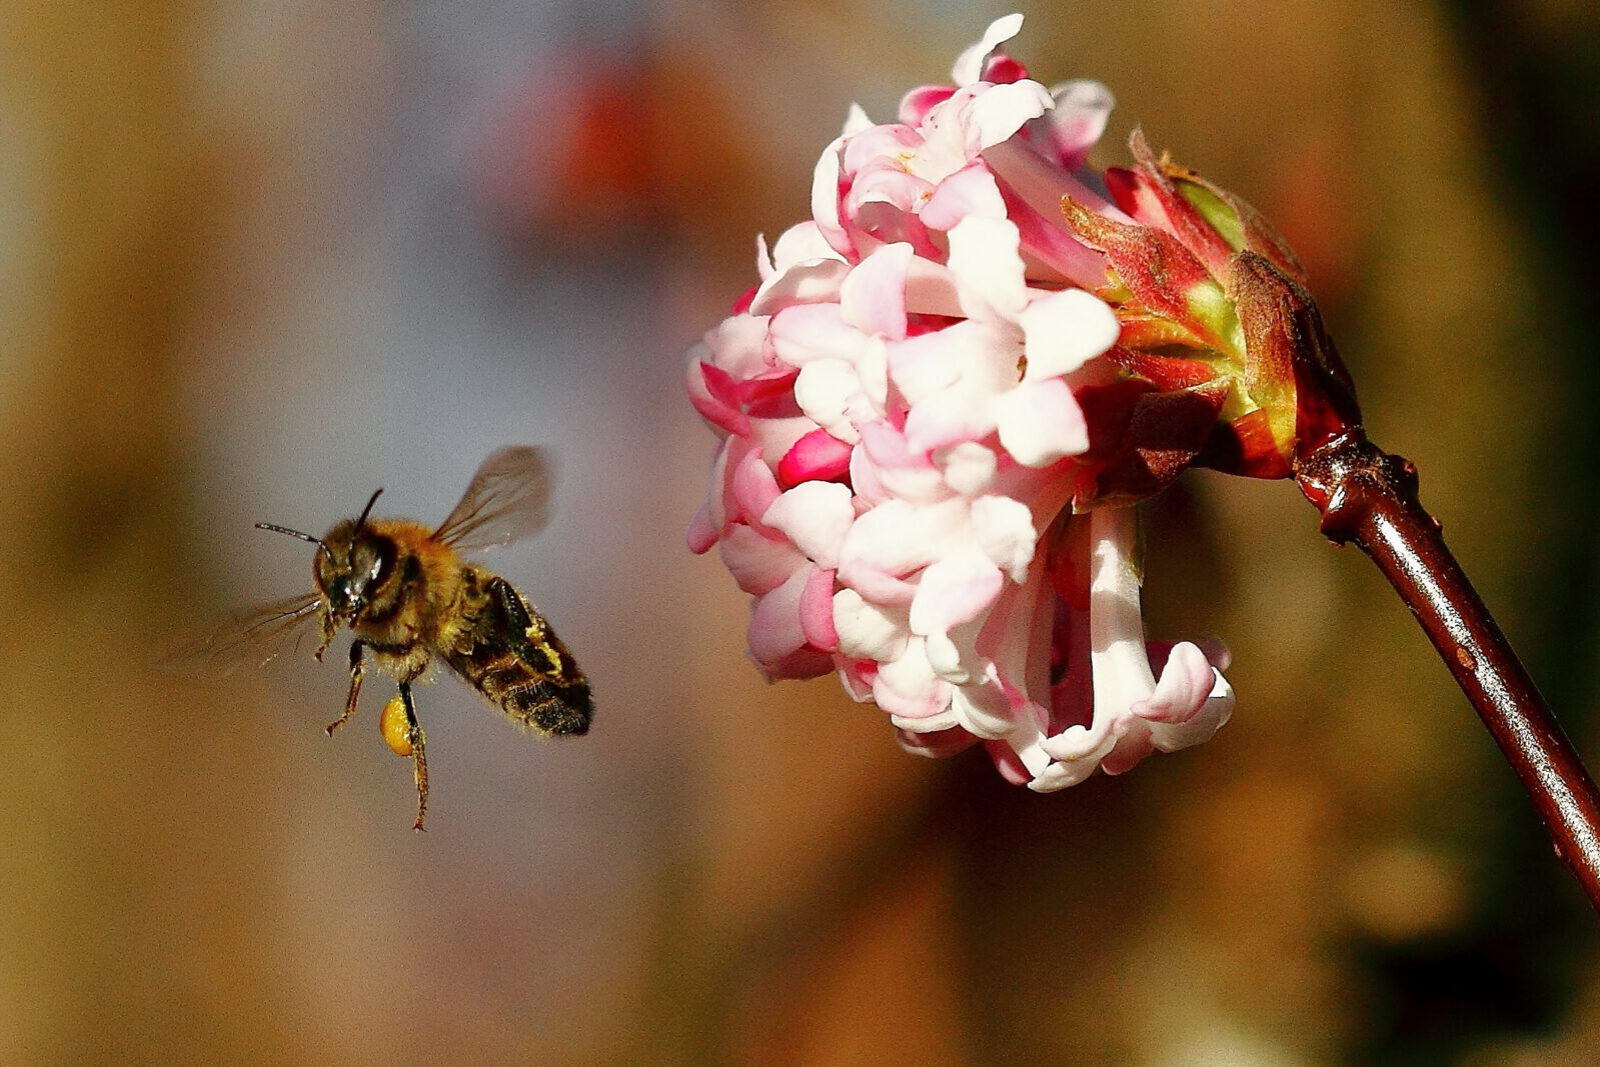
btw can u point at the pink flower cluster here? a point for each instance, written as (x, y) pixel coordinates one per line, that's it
(902, 440)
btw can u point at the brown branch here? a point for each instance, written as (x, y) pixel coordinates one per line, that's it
(1369, 497)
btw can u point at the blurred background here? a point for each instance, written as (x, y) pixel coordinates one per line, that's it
(260, 259)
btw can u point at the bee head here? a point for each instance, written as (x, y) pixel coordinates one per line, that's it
(352, 566)
(354, 578)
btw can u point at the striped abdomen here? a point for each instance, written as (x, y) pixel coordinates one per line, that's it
(513, 657)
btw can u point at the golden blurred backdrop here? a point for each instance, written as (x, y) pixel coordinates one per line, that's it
(263, 258)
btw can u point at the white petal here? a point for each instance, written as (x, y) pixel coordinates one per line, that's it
(968, 67)
(825, 197)
(1004, 109)
(867, 630)
(812, 282)
(815, 516)
(899, 538)
(1058, 776)
(907, 688)
(1122, 672)
(928, 725)
(983, 711)
(1081, 749)
(988, 267)
(855, 121)
(1040, 422)
(1004, 530)
(968, 467)
(801, 333)
(1064, 330)
(801, 243)
(823, 389)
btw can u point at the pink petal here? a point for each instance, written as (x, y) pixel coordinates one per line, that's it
(969, 191)
(752, 488)
(1008, 763)
(818, 456)
(826, 189)
(873, 297)
(864, 479)
(1002, 70)
(951, 416)
(955, 589)
(900, 470)
(1052, 254)
(802, 663)
(816, 611)
(1182, 689)
(758, 563)
(856, 677)
(1079, 118)
(775, 437)
(776, 633)
(702, 531)
(936, 744)
(712, 392)
(916, 104)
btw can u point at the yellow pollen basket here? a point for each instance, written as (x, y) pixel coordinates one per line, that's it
(396, 731)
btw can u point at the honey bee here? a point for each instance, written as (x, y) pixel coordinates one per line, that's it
(408, 596)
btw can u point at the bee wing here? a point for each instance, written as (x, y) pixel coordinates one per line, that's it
(509, 498)
(256, 636)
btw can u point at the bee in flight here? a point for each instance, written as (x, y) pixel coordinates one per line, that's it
(408, 596)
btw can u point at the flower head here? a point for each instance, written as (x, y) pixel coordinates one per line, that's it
(924, 439)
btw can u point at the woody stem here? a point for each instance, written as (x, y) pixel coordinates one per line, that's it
(1369, 497)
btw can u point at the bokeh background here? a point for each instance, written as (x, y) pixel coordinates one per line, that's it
(260, 258)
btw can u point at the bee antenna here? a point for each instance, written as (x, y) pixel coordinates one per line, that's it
(361, 519)
(296, 533)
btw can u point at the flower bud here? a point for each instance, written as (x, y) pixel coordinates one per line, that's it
(1214, 310)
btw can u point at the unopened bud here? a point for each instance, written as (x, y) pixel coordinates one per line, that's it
(1213, 305)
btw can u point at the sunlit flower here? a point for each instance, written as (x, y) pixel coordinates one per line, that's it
(924, 441)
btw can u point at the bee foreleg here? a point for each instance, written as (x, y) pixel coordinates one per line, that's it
(419, 760)
(329, 629)
(357, 669)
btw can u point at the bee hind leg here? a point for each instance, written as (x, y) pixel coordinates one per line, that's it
(419, 759)
(357, 669)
